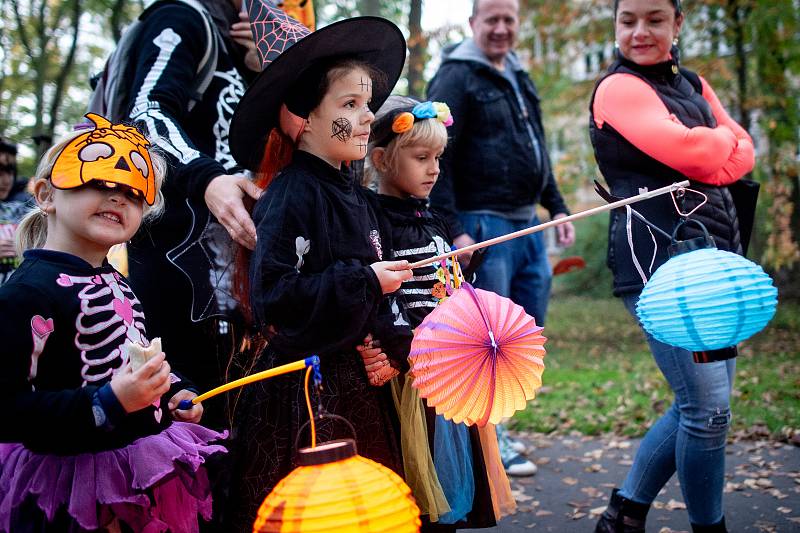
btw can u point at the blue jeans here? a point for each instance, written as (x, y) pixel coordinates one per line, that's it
(517, 269)
(690, 438)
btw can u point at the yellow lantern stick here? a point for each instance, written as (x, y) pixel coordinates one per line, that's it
(540, 227)
(312, 362)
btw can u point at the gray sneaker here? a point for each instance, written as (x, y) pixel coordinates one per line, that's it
(519, 466)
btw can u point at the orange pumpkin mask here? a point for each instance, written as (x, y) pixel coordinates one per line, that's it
(300, 10)
(113, 153)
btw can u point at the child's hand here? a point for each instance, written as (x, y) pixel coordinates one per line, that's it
(372, 355)
(376, 362)
(242, 35)
(185, 415)
(391, 274)
(379, 377)
(137, 390)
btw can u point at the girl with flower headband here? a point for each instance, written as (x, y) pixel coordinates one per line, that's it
(454, 471)
(89, 440)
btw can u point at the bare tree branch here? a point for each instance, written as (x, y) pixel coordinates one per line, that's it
(117, 15)
(23, 33)
(417, 45)
(66, 68)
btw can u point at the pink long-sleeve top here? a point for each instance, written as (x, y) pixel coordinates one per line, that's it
(716, 156)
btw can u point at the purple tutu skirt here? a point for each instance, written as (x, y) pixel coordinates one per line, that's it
(154, 484)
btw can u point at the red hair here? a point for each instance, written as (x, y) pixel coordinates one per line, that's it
(277, 154)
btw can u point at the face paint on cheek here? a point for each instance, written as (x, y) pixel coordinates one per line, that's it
(342, 129)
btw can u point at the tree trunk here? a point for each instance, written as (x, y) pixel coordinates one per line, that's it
(61, 80)
(117, 20)
(417, 46)
(738, 15)
(40, 62)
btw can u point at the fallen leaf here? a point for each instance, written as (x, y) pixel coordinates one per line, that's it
(597, 511)
(594, 454)
(570, 481)
(776, 493)
(764, 483)
(592, 492)
(784, 510)
(674, 505)
(579, 505)
(750, 483)
(731, 487)
(543, 513)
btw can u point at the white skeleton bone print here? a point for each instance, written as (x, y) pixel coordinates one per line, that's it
(110, 317)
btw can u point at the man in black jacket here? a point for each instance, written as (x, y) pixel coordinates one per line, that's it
(496, 168)
(180, 265)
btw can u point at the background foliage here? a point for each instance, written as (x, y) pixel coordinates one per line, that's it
(749, 50)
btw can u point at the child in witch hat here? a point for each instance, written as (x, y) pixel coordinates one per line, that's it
(317, 277)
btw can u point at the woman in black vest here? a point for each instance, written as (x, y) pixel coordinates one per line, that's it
(654, 123)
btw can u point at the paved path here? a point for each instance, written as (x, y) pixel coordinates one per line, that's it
(576, 475)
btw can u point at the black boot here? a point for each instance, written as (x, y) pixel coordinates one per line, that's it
(719, 527)
(622, 516)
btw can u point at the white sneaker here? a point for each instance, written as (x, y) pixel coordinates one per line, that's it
(519, 466)
(518, 446)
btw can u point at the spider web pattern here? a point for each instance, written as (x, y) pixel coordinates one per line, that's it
(274, 30)
(206, 259)
(342, 129)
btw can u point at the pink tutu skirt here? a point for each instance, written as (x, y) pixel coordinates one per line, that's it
(154, 484)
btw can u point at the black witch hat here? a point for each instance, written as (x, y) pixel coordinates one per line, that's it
(292, 57)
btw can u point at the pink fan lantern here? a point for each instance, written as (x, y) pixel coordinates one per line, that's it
(477, 358)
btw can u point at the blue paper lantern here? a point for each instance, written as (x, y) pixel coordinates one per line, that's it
(707, 299)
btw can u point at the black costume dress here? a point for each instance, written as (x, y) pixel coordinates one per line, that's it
(71, 458)
(418, 233)
(313, 289)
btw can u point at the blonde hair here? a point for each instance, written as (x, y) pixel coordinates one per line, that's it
(428, 132)
(32, 229)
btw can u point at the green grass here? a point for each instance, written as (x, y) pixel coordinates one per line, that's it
(600, 376)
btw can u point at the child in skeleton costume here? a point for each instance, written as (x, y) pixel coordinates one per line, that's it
(318, 274)
(89, 441)
(445, 463)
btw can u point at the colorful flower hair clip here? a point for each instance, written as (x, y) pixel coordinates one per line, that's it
(403, 122)
(405, 119)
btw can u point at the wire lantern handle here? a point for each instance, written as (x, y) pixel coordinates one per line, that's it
(680, 193)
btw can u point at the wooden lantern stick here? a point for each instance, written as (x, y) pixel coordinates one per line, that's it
(541, 227)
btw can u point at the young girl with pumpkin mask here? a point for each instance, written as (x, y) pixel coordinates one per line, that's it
(89, 440)
(318, 274)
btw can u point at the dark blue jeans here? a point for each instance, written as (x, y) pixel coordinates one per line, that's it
(517, 269)
(690, 437)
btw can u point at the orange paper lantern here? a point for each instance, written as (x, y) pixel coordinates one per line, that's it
(336, 490)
